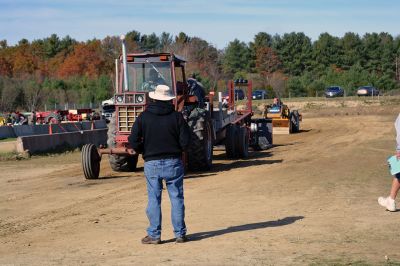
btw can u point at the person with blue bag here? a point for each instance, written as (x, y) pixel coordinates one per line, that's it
(389, 202)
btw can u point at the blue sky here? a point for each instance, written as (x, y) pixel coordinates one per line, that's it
(218, 22)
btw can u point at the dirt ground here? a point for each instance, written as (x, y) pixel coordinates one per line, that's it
(311, 199)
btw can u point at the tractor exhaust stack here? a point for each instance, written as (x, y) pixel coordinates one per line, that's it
(126, 88)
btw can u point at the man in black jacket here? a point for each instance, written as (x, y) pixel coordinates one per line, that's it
(161, 134)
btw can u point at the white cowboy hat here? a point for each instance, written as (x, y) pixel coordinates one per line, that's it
(162, 93)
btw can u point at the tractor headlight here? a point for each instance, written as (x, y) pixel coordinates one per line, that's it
(139, 99)
(120, 99)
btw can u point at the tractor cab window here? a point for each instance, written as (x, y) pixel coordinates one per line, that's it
(145, 77)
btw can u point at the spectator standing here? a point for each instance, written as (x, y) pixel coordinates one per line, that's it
(161, 134)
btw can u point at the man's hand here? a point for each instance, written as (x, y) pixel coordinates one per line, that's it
(398, 155)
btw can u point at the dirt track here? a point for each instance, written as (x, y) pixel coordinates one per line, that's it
(310, 199)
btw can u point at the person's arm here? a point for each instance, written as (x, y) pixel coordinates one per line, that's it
(184, 132)
(136, 137)
(397, 125)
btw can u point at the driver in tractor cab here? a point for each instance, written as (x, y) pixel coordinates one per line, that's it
(275, 107)
(153, 80)
(277, 103)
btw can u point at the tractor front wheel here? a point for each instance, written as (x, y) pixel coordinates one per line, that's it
(90, 161)
(123, 163)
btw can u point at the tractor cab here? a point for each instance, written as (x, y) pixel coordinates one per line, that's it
(141, 73)
(136, 76)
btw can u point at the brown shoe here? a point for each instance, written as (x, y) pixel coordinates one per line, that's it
(181, 239)
(150, 240)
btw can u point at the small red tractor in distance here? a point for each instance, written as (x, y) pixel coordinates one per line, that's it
(138, 74)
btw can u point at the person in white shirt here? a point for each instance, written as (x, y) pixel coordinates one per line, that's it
(389, 202)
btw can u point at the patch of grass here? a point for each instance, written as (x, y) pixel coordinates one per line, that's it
(302, 99)
(392, 101)
(313, 106)
(367, 102)
(63, 149)
(7, 140)
(13, 156)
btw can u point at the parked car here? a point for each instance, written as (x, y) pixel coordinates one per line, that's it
(259, 95)
(334, 91)
(367, 91)
(108, 108)
(239, 94)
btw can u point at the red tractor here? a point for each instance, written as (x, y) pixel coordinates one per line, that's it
(138, 74)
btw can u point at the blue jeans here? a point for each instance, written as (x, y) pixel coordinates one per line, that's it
(172, 171)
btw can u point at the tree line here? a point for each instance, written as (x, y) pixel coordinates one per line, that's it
(57, 70)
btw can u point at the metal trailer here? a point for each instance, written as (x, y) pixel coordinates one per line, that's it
(209, 125)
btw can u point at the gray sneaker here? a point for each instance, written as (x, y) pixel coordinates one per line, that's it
(388, 203)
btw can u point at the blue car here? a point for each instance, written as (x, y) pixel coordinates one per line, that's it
(259, 95)
(334, 91)
(367, 91)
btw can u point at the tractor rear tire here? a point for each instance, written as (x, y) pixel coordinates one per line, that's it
(243, 142)
(297, 129)
(230, 141)
(119, 163)
(90, 161)
(200, 151)
(294, 122)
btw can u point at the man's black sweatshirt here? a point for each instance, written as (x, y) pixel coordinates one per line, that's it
(160, 132)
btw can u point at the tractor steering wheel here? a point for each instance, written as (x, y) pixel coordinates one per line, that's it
(148, 86)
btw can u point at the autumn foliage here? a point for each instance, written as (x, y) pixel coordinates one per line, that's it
(58, 71)
(85, 59)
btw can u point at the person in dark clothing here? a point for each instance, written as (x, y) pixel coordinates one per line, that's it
(197, 89)
(152, 81)
(161, 135)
